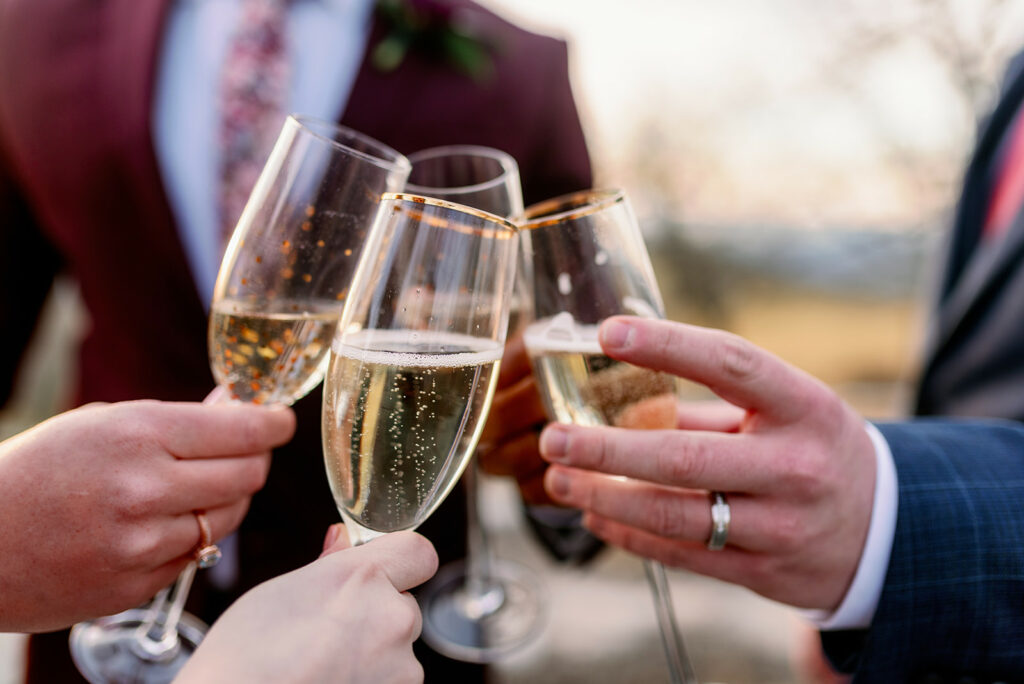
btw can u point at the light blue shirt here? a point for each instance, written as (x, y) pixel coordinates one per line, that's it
(325, 44)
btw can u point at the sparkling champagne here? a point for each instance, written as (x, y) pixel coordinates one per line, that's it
(270, 357)
(403, 412)
(580, 384)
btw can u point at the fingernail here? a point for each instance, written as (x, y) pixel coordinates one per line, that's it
(553, 443)
(332, 535)
(616, 334)
(558, 484)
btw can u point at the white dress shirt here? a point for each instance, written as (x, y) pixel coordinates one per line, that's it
(858, 606)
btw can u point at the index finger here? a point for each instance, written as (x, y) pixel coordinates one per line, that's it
(733, 368)
(407, 557)
(679, 458)
(192, 430)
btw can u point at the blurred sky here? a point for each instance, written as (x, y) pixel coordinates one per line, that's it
(808, 113)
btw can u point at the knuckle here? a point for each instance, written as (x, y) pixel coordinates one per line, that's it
(788, 532)
(406, 619)
(665, 518)
(582, 450)
(664, 342)
(253, 432)
(601, 446)
(368, 572)
(582, 494)
(679, 461)
(805, 475)
(135, 498)
(737, 358)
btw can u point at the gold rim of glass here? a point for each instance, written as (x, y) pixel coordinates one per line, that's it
(504, 228)
(507, 162)
(383, 156)
(570, 207)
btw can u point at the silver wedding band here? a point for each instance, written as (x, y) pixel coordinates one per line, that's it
(721, 516)
(207, 554)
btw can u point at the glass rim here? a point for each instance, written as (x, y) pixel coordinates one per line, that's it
(570, 207)
(504, 225)
(388, 158)
(506, 160)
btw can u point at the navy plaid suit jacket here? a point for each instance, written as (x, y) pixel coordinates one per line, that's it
(952, 607)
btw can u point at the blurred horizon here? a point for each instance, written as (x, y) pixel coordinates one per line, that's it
(852, 112)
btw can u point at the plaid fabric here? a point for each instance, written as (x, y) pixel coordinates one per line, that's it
(952, 608)
(253, 93)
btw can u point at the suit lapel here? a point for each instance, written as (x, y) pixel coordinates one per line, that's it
(972, 267)
(982, 272)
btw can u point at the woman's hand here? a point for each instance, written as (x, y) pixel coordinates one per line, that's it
(346, 617)
(97, 503)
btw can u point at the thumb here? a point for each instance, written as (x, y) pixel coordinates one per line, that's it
(335, 540)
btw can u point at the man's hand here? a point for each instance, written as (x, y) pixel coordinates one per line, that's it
(509, 442)
(794, 461)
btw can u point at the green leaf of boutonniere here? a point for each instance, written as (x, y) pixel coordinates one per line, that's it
(430, 26)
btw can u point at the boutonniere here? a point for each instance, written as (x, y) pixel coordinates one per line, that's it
(434, 28)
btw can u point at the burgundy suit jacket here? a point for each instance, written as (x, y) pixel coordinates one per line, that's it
(81, 193)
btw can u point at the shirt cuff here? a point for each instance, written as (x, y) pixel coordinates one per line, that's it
(858, 606)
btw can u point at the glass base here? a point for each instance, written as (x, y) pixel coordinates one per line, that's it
(507, 616)
(106, 650)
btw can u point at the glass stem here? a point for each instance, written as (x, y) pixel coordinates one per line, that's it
(357, 534)
(679, 666)
(482, 595)
(157, 636)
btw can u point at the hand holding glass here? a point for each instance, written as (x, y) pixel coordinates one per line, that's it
(589, 262)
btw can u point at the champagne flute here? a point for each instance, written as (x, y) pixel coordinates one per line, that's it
(589, 262)
(482, 608)
(414, 362)
(276, 303)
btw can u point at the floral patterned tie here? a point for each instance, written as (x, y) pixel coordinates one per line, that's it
(253, 91)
